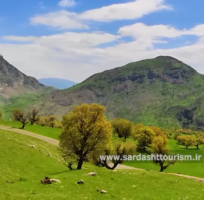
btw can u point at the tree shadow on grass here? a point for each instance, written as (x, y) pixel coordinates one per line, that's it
(62, 172)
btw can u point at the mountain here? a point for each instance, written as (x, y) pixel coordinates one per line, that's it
(57, 83)
(14, 83)
(162, 91)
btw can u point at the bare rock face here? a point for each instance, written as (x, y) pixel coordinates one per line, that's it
(14, 82)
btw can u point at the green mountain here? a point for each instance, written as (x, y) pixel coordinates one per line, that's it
(162, 91)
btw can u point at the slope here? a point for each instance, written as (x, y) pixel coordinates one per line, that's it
(22, 167)
(13, 82)
(161, 91)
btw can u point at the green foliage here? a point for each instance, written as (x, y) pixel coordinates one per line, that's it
(51, 120)
(85, 131)
(123, 128)
(144, 135)
(20, 116)
(186, 141)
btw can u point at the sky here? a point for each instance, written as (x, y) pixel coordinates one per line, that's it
(74, 39)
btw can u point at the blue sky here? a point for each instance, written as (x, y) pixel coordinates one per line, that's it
(75, 39)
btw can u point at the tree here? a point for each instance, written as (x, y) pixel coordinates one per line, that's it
(43, 121)
(123, 128)
(159, 132)
(84, 131)
(58, 124)
(159, 146)
(186, 141)
(199, 140)
(1, 114)
(119, 150)
(34, 116)
(144, 135)
(20, 116)
(51, 120)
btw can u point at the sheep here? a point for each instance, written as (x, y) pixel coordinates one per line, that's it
(46, 181)
(101, 191)
(55, 181)
(80, 182)
(92, 174)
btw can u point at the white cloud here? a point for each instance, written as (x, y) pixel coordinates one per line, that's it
(130, 10)
(67, 3)
(197, 30)
(78, 55)
(156, 31)
(68, 39)
(124, 11)
(62, 19)
(75, 56)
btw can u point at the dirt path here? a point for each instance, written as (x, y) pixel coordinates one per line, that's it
(56, 143)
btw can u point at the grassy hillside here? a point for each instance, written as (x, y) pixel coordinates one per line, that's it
(24, 102)
(26, 166)
(187, 168)
(161, 91)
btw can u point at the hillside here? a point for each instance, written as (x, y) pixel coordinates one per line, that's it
(13, 82)
(57, 83)
(162, 91)
(22, 167)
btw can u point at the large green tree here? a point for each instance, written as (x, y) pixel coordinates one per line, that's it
(84, 131)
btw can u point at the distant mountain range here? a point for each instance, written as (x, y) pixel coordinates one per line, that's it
(57, 83)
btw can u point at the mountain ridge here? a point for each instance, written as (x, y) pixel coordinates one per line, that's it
(152, 91)
(13, 82)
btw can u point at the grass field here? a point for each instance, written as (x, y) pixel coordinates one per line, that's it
(26, 166)
(187, 168)
(46, 131)
(191, 168)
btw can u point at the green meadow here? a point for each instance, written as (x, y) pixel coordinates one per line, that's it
(22, 167)
(187, 168)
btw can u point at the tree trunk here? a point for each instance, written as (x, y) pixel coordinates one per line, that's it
(31, 122)
(161, 166)
(197, 146)
(80, 163)
(23, 126)
(105, 164)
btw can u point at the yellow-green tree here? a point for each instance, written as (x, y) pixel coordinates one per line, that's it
(159, 132)
(144, 135)
(84, 131)
(20, 116)
(199, 139)
(159, 146)
(43, 121)
(58, 124)
(186, 141)
(115, 154)
(123, 128)
(1, 114)
(51, 120)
